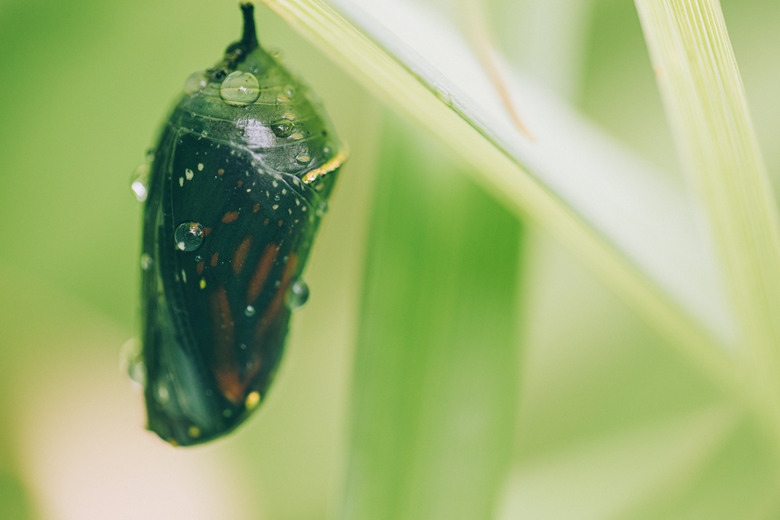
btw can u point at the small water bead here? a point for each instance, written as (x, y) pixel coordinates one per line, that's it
(282, 128)
(249, 311)
(139, 182)
(196, 82)
(303, 158)
(163, 395)
(146, 262)
(188, 236)
(240, 89)
(131, 362)
(137, 372)
(322, 208)
(297, 294)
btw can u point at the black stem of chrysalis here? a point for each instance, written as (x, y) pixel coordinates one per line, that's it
(249, 38)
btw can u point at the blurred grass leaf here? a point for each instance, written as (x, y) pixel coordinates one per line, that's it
(436, 369)
(706, 105)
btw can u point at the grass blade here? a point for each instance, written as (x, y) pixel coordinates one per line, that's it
(706, 106)
(436, 370)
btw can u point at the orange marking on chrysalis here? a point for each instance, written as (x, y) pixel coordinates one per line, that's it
(265, 222)
(220, 172)
(271, 313)
(214, 259)
(239, 257)
(224, 343)
(206, 231)
(261, 272)
(229, 217)
(199, 267)
(256, 208)
(240, 183)
(281, 223)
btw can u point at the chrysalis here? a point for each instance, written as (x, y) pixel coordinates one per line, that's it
(239, 180)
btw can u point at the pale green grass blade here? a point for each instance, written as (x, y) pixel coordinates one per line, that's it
(436, 368)
(596, 378)
(635, 228)
(639, 467)
(706, 105)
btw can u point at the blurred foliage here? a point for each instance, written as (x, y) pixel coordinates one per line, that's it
(436, 366)
(610, 422)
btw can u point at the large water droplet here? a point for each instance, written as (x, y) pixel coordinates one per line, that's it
(297, 294)
(196, 81)
(240, 89)
(188, 236)
(139, 182)
(322, 208)
(282, 128)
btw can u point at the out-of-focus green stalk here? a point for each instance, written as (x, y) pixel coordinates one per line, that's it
(705, 102)
(436, 369)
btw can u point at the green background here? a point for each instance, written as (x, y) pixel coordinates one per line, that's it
(565, 365)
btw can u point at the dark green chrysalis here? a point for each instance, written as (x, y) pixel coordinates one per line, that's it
(239, 180)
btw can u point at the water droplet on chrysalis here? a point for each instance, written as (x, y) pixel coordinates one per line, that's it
(249, 311)
(131, 362)
(163, 395)
(303, 158)
(188, 236)
(196, 82)
(282, 128)
(297, 294)
(139, 182)
(146, 262)
(240, 89)
(322, 208)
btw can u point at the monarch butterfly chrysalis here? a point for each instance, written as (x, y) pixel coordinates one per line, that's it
(238, 182)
